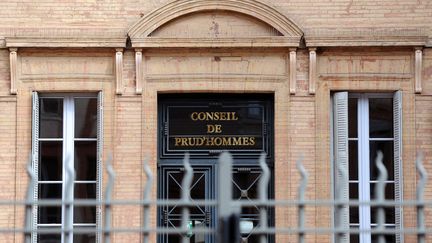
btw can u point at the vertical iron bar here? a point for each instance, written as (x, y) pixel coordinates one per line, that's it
(68, 201)
(185, 195)
(146, 198)
(108, 197)
(228, 211)
(263, 196)
(225, 187)
(28, 225)
(380, 192)
(301, 196)
(421, 230)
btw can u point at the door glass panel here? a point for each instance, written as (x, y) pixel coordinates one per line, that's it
(386, 147)
(85, 190)
(245, 187)
(50, 161)
(50, 191)
(85, 214)
(198, 214)
(353, 160)
(85, 160)
(352, 114)
(84, 237)
(49, 238)
(51, 118)
(353, 210)
(381, 118)
(85, 117)
(49, 215)
(354, 238)
(197, 191)
(388, 238)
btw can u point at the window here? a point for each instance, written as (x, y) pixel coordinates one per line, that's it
(363, 125)
(66, 133)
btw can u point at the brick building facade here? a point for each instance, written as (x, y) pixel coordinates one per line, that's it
(303, 54)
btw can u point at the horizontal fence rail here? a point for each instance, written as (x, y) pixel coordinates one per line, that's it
(227, 229)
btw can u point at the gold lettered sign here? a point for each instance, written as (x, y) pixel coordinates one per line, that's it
(204, 128)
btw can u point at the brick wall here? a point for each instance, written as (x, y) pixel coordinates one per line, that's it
(91, 17)
(130, 120)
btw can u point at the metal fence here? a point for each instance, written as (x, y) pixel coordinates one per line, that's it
(227, 230)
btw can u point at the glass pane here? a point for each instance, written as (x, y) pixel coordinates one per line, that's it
(387, 148)
(84, 214)
(353, 191)
(245, 187)
(353, 160)
(50, 191)
(85, 117)
(354, 238)
(50, 161)
(389, 211)
(248, 227)
(354, 215)
(85, 160)
(352, 117)
(193, 238)
(51, 118)
(245, 184)
(84, 237)
(49, 215)
(85, 190)
(381, 118)
(389, 191)
(388, 238)
(353, 210)
(198, 191)
(49, 238)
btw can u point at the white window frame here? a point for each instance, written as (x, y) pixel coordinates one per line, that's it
(340, 155)
(67, 154)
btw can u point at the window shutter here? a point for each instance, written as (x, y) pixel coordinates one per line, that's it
(340, 128)
(99, 161)
(397, 129)
(35, 154)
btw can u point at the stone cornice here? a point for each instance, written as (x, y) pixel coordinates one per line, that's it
(341, 41)
(216, 42)
(72, 42)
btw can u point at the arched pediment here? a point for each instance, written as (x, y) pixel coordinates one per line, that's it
(215, 23)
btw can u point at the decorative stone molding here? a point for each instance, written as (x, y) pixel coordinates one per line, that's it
(418, 69)
(312, 70)
(138, 70)
(366, 40)
(274, 41)
(140, 32)
(219, 78)
(64, 42)
(13, 69)
(292, 70)
(365, 76)
(119, 71)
